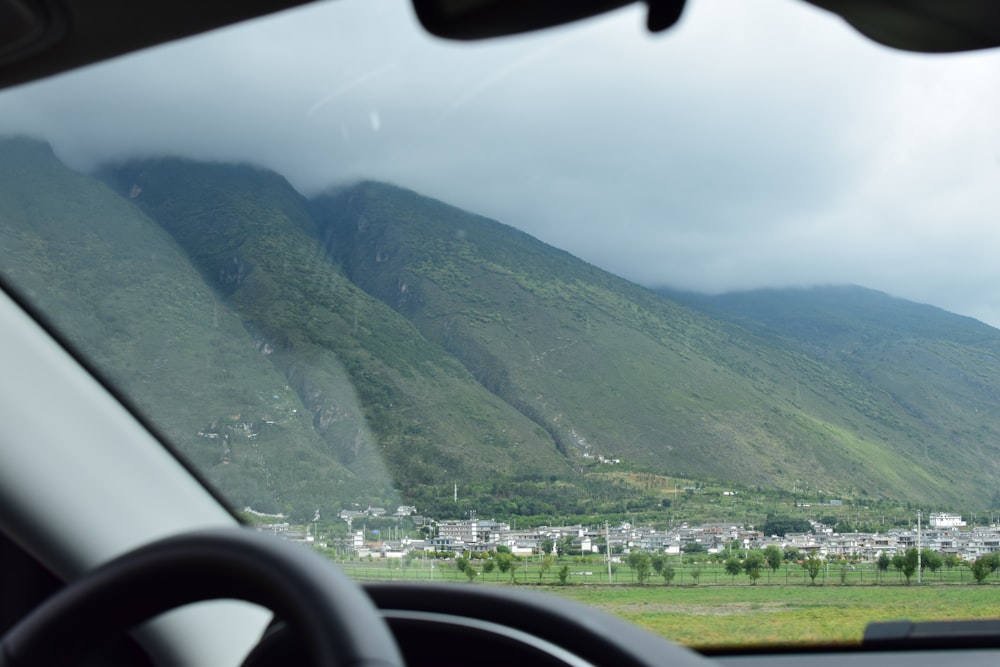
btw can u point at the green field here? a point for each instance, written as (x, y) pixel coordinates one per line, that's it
(720, 610)
(719, 616)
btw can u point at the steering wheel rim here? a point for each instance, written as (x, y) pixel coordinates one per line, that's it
(335, 620)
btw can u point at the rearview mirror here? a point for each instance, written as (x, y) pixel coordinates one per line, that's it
(481, 19)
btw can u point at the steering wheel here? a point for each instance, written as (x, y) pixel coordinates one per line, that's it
(332, 618)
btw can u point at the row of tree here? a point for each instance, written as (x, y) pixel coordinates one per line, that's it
(754, 563)
(503, 561)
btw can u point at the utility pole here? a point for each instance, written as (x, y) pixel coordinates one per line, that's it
(919, 544)
(607, 549)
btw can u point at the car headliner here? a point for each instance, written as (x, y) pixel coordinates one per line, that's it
(39, 38)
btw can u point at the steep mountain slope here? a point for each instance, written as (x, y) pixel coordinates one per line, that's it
(373, 343)
(939, 371)
(846, 315)
(612, 369)
(378, 392)
(119, 288)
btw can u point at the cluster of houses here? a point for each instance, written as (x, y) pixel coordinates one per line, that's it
(376, 512)
(945, 533)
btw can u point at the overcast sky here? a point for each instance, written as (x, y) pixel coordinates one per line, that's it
(755, 144)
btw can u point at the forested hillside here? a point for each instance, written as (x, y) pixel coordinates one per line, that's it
(121, 290)
(937, 370)
(374, 345)
(612, 369)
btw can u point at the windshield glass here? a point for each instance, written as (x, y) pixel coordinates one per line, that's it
(696, 327)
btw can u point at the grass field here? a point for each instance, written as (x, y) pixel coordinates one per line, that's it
(721, 611)
(718, 616)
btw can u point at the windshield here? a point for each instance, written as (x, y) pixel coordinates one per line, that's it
(697, 327)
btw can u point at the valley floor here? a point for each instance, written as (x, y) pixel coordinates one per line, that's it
(720, 610)
(710, 616)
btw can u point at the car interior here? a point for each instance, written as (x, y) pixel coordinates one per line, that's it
(148, 566)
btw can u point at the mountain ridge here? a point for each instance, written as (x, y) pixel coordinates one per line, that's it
(940, 368)
(319, 324)
(674, 340)
(402, 344)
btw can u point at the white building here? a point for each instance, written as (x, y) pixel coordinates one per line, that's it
(473, 532)
(945, 520)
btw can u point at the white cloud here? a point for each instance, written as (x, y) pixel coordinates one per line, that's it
(753, 145)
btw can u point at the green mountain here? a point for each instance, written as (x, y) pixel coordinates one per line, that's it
(379, 393)
(117, 286)
(372, 344)
(609, 368)
(936, 371)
